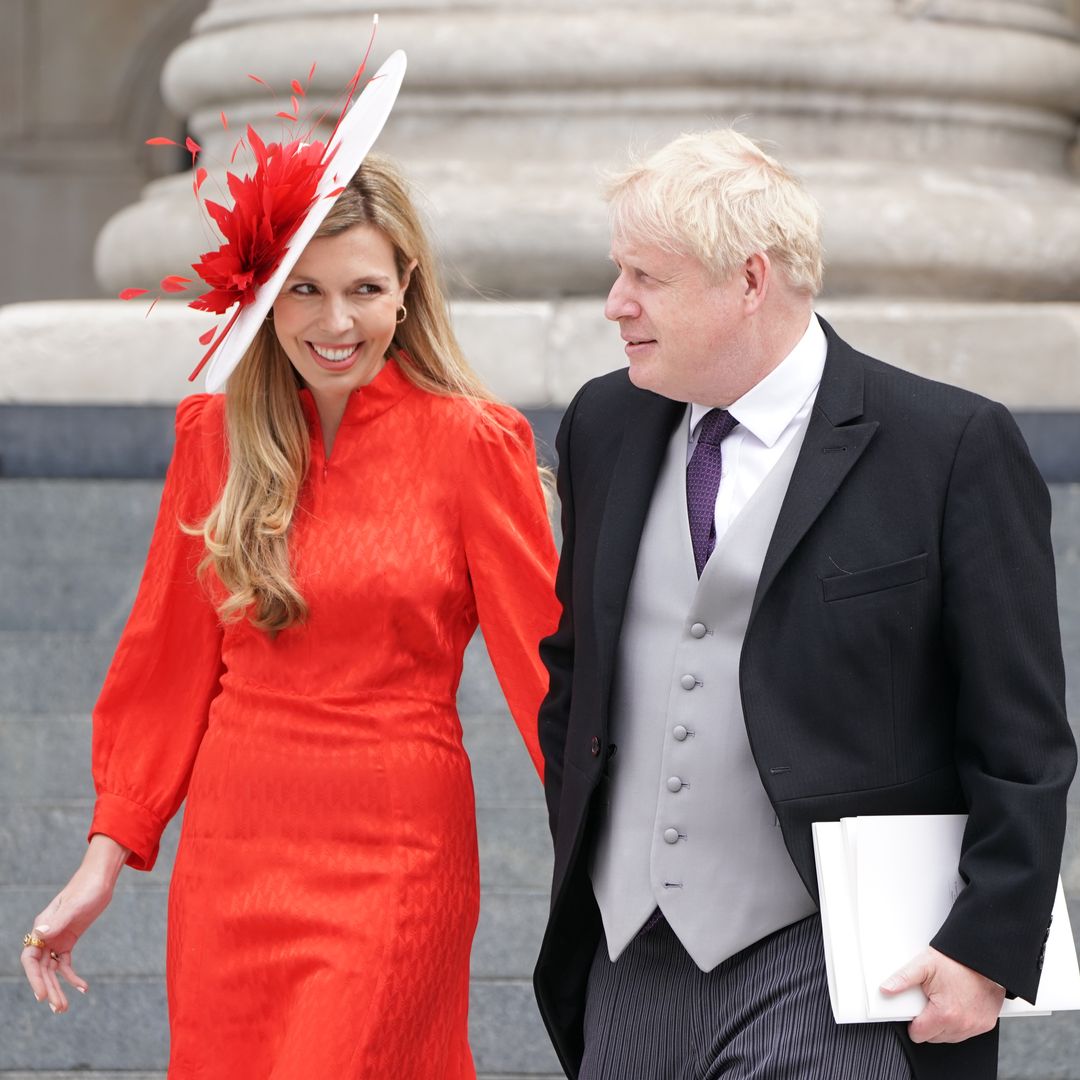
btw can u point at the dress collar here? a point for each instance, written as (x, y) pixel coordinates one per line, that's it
(366, 402)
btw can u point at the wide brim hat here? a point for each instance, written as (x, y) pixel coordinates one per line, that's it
(276, 210)
(346, 150)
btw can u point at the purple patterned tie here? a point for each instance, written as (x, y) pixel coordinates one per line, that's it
(703, 482)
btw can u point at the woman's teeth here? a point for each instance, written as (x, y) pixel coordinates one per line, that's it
(335, 354)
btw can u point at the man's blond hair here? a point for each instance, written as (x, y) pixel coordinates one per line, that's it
(717, 196)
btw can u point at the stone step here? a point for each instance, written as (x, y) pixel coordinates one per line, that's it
(83, 521)
(52, 671)
(1033, 1049)
(1040, 1048)
(47, 756)
(42, 844)
(126, 941)
(61, 671)
(121, 1024)
(86, 596)
(506, 944)
(82, 1074)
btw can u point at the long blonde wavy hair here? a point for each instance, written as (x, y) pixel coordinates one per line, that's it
(247, 532)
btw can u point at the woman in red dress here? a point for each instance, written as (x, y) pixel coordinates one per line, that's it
(332, 529)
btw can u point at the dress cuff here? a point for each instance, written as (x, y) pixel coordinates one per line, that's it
(130, 825)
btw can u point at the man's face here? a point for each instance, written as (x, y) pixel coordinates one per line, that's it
(680, 325)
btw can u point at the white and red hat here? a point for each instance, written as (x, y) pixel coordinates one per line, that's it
(276, 209)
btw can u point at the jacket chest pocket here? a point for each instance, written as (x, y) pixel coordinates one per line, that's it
(874, 579)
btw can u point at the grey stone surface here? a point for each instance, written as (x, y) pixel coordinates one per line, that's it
(61, 521)
(41, 843)
(936, 177)
(120, 1024)
(478, 692)
(45, 757)
(505, 1029)
(515, 847)
(39, 595)
(80, 88)
(509, 932)
(501, 767)
(1041, 1048)
(51, 671)
(82, 1074)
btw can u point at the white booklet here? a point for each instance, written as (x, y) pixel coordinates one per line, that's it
(886, 885)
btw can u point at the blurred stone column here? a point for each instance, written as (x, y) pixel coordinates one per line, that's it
(938, 136)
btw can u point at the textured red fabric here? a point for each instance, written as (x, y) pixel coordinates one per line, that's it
(326, 888)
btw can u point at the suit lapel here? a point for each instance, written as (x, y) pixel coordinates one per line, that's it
(649, 422)
(832, 446)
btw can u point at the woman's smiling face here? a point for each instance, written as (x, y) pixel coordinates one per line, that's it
(337, 311)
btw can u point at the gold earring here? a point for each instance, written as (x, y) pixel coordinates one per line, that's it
(404, 314)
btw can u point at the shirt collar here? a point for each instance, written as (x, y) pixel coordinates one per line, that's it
(767, 408)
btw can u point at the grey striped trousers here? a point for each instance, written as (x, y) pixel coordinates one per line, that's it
(763, 1014)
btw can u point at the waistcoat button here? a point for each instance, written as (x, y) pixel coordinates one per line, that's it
(671, 836)
(674, 783)
(688, 682)
(679, 732)
(699, 630)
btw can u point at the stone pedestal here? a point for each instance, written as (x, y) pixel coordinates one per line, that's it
(937, 134)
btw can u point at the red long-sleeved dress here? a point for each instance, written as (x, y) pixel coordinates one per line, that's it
(326, 888)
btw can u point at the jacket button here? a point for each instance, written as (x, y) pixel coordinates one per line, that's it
(674, 783)
(594, 746)
(688, 682)
(680, 732)
(671, 836)
(699, 630)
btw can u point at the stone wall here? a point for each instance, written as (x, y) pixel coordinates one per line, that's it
(938, 135)
(79, 92)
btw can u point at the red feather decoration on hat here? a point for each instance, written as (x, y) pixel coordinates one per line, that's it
(269, 205)
(267, 209)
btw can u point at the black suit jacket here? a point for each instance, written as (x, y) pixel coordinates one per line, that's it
(902, 656)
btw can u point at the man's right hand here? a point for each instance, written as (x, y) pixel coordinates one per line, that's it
(961, 1003)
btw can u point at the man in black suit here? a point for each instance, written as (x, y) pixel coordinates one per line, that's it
(845, 605)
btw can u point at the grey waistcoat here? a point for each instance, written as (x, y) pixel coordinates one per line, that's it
(686, 825)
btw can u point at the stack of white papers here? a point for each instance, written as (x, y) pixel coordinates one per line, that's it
(886, 885)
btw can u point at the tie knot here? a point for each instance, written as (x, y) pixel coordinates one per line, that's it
(715, 426)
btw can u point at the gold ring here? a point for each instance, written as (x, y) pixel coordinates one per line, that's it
(55, 955)
(31, 941)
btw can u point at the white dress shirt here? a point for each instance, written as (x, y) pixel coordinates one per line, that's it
(768, 414)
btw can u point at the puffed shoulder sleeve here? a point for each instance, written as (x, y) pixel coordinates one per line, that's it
(152, 712)
(511, 557)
